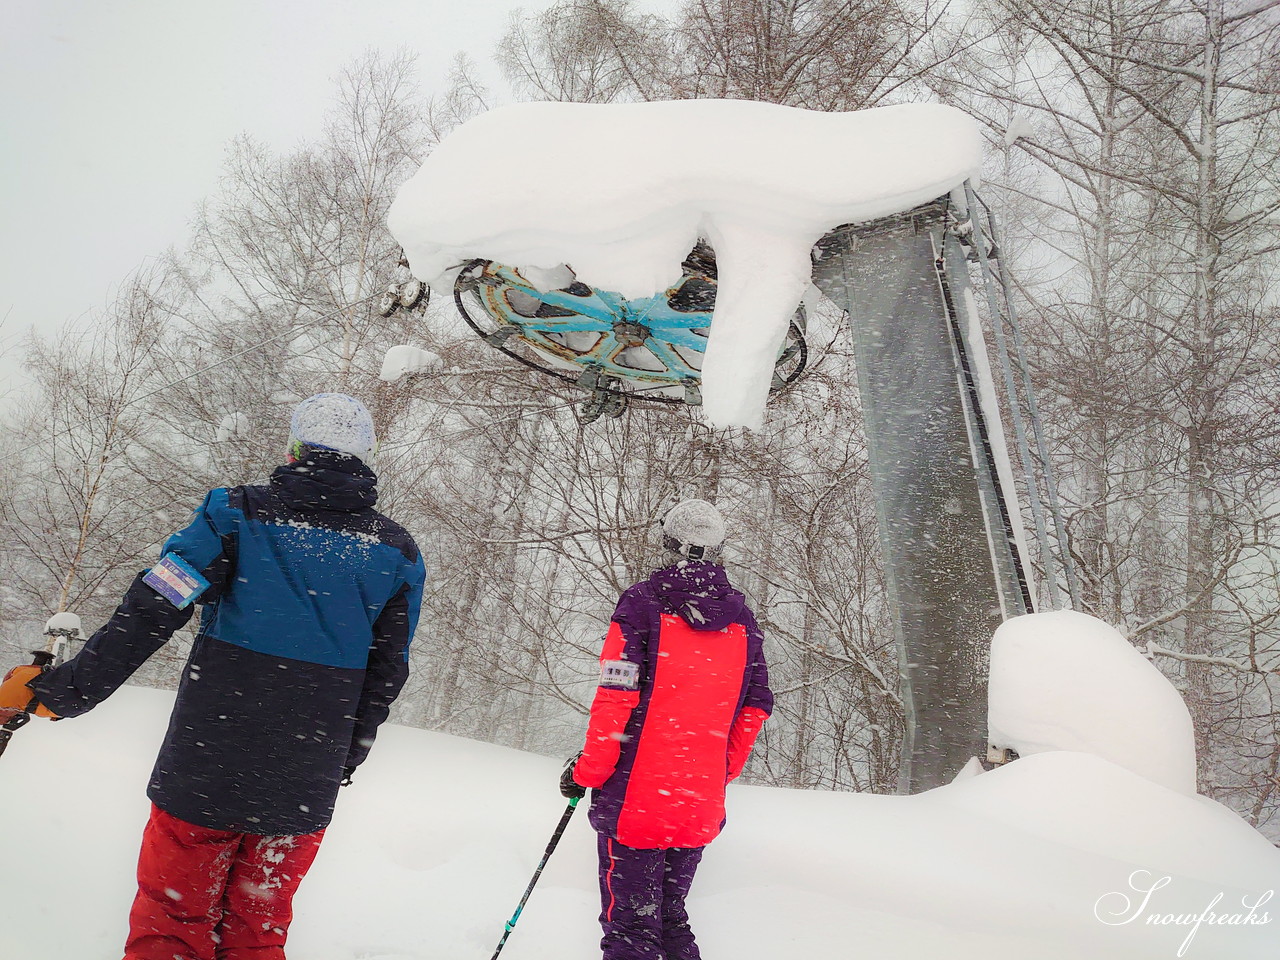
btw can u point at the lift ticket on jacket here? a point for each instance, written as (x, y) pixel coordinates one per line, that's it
(175, 580)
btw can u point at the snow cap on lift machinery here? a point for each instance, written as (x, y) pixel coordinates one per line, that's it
(626, 224)
(694, 529)
(333, 421)
(63, 625)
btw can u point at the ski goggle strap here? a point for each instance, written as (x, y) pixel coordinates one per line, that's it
(299, 450)
(691, 551)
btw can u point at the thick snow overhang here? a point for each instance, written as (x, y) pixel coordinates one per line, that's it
(1068, 681)
(620, 193)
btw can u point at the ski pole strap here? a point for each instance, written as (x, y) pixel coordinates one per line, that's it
(551, 846)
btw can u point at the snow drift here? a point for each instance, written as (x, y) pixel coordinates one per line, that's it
(1068, 681)
(434, 842)
(620, 192)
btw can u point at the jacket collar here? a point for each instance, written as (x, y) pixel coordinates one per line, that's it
(326, 480)
(699, 592)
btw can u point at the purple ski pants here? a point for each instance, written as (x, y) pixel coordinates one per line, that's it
(642, 898)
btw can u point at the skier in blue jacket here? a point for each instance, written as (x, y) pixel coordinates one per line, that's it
(309, 599)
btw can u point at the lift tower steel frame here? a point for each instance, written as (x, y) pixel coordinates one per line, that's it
(949, 541)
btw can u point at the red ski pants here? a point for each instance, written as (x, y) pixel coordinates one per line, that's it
(208, 894)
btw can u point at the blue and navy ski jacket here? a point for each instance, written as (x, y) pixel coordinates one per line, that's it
(301, 649)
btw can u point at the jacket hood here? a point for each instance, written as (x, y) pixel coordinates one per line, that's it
(326, 480)
(699, 592)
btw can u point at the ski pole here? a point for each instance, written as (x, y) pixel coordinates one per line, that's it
(41, 659)
(555, 839)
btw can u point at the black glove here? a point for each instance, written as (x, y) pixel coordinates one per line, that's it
(346, 776)
(568, 786)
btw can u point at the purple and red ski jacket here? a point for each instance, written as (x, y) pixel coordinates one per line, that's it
(684, 690)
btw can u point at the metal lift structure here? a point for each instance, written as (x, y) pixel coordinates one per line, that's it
(955, 555)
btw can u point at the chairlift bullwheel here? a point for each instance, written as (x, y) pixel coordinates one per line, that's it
(649, 349)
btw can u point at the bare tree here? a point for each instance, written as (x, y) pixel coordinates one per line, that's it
(84, 494)
(588, 51)
(820, 54)
(1150, 131)
(464, 97)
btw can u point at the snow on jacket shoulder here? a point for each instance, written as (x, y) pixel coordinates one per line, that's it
(684, 690)
(302, 648)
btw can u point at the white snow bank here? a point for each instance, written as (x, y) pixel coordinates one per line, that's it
(620, 192)
(1068, 681)
(406, 360)
(435, 841)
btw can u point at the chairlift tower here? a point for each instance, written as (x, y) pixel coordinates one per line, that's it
(954, 551)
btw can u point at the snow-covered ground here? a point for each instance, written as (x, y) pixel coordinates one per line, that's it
(434, 843)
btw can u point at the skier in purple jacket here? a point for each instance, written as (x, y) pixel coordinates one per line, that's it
(684, 691)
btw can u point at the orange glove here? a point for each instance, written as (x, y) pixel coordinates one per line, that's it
(15, 694)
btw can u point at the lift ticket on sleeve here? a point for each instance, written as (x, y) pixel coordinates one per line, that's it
(175, 580)
(620, 673)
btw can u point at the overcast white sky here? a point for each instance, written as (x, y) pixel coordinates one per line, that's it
(114, 115)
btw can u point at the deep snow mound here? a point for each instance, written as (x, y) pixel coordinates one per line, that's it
(1068, 681)
(436, 839)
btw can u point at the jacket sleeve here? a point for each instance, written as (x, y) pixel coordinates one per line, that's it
(144, 621)
(622, 664)
(757, 705)
(388, 666)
